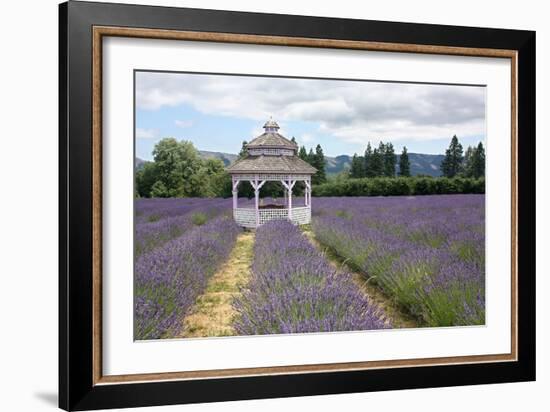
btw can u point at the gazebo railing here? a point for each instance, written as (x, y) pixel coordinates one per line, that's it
(246, 217)
(272, 214)
(301, 215)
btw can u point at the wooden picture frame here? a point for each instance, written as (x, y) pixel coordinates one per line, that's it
(81, 382)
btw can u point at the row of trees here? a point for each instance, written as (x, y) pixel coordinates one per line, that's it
(400, 186)
(472, 164)
(179, 171)
(381, 161)
(378, 162)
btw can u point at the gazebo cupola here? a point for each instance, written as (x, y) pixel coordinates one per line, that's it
(271, 157)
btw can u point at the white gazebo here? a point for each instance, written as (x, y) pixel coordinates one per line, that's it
(271, 157)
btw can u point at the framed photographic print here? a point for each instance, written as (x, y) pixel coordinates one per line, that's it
(258, 205)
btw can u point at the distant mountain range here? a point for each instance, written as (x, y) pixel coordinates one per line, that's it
(421, 164)
(139, 163)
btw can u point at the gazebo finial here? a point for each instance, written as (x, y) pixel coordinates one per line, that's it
(271, 126)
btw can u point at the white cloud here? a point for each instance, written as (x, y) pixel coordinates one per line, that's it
(306, 138)
(353, 111)
(146, 133)
(255, 132)
(183, 123)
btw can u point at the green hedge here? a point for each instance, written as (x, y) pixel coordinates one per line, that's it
(400, 186)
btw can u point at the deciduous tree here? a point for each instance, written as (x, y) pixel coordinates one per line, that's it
(177, 162)
(146, 177)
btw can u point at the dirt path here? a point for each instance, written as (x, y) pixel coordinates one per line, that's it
(392, 312)
(213, 314)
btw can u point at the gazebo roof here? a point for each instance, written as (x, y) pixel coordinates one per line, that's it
(271, 153)
(272, 164)
(272, 140)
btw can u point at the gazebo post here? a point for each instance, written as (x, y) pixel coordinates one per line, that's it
(257, 200)
(289, 200)
(308, 192)
(235, 194)
(257, 185)
(291, 184)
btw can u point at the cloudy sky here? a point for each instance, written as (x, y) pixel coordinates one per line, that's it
(218, 112)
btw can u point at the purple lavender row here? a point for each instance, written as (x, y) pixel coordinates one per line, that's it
(152, 210)
(153, 234)
(169, 278)
(426, 253)
(293, 289)
(150, 235)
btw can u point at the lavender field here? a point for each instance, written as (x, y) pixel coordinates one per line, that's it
(424, 254)
(160, 220)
